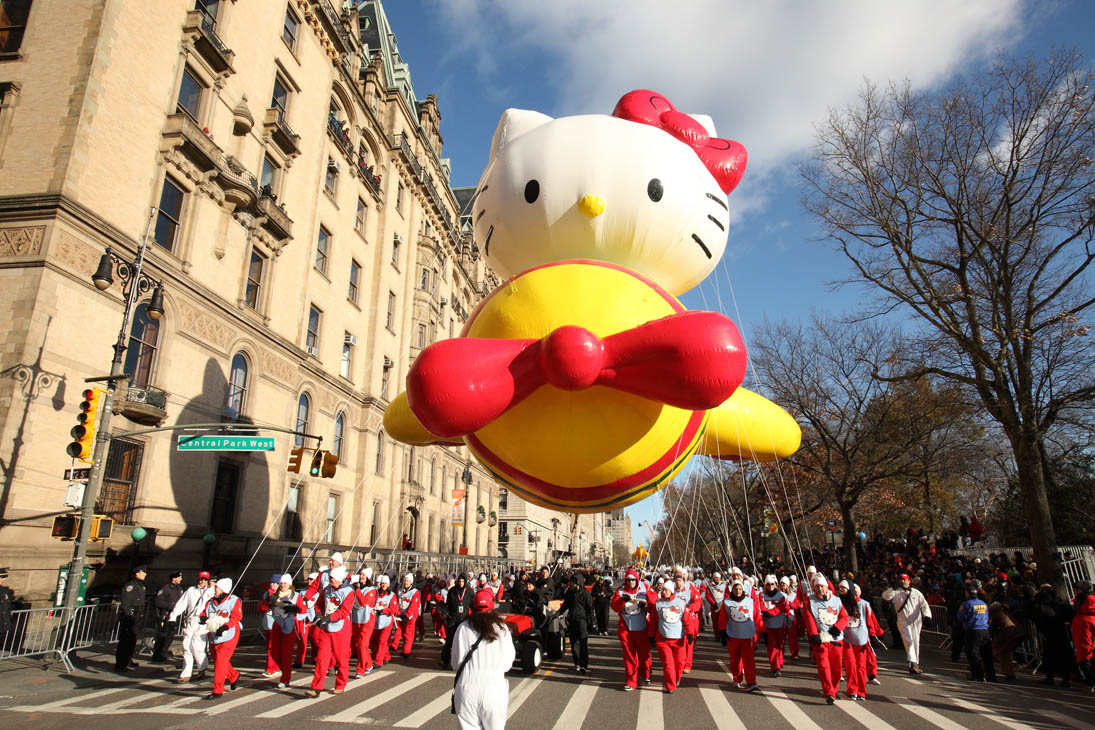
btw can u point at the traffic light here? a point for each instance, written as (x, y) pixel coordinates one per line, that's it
(65, 527)
(296, 456)
(101, 528)
(83, 433)
(317, 464)
(330, 462)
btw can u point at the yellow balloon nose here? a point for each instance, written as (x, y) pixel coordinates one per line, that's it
(591, 206)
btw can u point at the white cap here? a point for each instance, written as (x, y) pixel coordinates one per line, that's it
(225, 584)
(717, 575)
(810, 570)
(384, 579)
(819, 580)
(338, 573)
(735, 571)
(844, 584)
(670, 585)
(408, 576)
(287, 578)
(794, 578)
(367, 572)
(337, 557)
(784, 580)
(737, 582)
(312, 576)
(770, 578)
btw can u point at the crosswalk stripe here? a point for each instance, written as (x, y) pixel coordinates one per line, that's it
(574, 714)
(223, 706)
(357, 711)
(519, 694)
(790, 711)
(312, 701)
(994, 716)
(1061, 717)
(99, 693)
(721, 712)
(427, 713)
(142, 697)
(867, 719)
(928, 715)
(651, 716)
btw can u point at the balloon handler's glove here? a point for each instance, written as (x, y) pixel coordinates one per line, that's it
(815, 640)
(690, 638)
(220, 631)
(722, 639)
(322, 622)
(202, 620)
(834, 631)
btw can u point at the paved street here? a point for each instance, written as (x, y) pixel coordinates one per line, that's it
(416, 695)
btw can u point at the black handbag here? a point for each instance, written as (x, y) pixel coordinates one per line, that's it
(464, 661)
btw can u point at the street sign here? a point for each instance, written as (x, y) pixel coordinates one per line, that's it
(830, 524)
(226, 443)
(75, 475)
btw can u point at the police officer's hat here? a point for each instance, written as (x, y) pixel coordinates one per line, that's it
(4, 572)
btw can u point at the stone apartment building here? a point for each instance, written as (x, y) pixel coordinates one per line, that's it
(530, 535)
(308, 245)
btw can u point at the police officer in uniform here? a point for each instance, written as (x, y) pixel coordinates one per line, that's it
(166, 598)
(130, 620)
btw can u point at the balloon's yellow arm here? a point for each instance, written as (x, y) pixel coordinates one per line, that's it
(749, 427)
(401, 425)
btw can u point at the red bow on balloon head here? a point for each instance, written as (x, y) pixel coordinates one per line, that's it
(691, 360)
(724, 158)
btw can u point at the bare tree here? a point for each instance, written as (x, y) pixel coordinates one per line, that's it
(973, 209)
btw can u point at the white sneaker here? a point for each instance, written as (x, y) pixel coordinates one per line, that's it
(873, 680)
(268, 675)
(282, 685)
(628, 688)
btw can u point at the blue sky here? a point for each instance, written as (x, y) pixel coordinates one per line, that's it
(765, 72)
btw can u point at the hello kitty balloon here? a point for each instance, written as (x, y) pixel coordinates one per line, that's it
(582, 383)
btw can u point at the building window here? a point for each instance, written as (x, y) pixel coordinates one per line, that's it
(303, 408)
(323, 244)
(119, 488)
(359, 221)
(290, 30)
(255, 271)
(424, 280)
(396, 243)
(503, 499)
(140, 356)
(336, 442)
(385, 378)
(373, 524)
(399, 198)
(223, 516)
(421, 335)
(208, 8)
(379, 452)
(190, 94)
(347, 363)
(410, 465)
(280, 97)
(169, 214)
(355, 275)
(270, 177)
(330, 182)
(293, 527)
(391, 312)
(237, 387)
(311, 339)
(332, 518)
(433, 477)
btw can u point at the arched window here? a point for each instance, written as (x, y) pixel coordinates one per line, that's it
(237, 387)
(303, 407)
(141, 354)
(379, 452)
(340, 425)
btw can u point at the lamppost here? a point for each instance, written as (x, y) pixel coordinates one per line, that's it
(466, 478)
(135, 283)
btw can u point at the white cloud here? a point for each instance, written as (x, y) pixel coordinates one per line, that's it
(765, 71)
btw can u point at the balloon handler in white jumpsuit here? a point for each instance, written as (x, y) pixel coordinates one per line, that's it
(481, 695)
(912, 609)
(195, 638)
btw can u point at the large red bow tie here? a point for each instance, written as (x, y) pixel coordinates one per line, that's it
(691, 360)
(724, 158)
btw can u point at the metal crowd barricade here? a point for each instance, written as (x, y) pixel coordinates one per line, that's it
(42, 632)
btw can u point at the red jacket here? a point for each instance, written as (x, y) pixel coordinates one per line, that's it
(1083, 629)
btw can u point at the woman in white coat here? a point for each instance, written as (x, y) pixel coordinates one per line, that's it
(482, 693)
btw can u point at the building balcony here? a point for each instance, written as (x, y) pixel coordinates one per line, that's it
(240, 186)
(277, 220)
(371, 179)
(281, 133)
(336, 129)
(183, 133)
(202, 29)
(144, 405)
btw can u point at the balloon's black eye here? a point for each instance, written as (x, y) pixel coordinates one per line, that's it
(654, 189)
(532, 191)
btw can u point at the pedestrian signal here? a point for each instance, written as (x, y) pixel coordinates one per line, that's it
(65, 527)
(101, 528)
(330, 462)
(83, 433)
(296, 456)
(317, 464)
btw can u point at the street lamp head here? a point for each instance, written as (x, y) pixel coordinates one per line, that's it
(104, 275)
(155, 305)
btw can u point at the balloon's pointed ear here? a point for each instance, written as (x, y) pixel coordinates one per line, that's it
(513, 124)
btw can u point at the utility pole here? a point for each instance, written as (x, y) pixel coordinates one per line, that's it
(134, 284)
